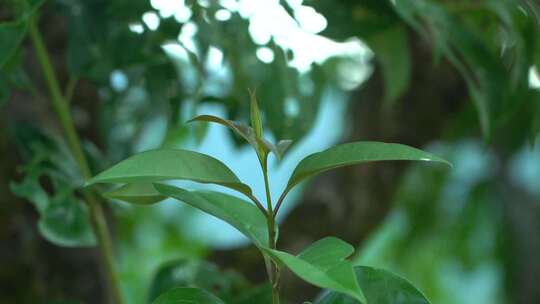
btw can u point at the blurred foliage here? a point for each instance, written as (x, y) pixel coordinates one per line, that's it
(229, 286)
(50, 183)
(492, 43)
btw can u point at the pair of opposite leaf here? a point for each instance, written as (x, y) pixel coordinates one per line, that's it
(323, 263)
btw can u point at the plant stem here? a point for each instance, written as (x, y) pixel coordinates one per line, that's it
(273, 274)
(61, 108)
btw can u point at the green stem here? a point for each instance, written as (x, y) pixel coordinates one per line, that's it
(273, 272)
(61, 108)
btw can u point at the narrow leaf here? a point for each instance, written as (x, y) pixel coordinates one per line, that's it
(186, 295)
(323, 264)
(240, 129)
(256, 122)
(136, 193)
(356, 153)
(259, 144)
(171, 164)
(240, 214)
(380, 287)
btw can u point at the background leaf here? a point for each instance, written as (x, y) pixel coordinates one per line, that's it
(200, 274)
(64, 220)
(187, 295)
(11, 35)
(391, 48)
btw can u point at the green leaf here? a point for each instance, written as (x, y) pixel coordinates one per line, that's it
(240, 214)
(196, 273)
(391, 49)
(186, 295)
(64, 220)
(11, 35)
(380, 287)
(256, 122)
(323, 264)
(136, 193)
(356, 153)
(260, 295)
(240, 129)
(171, 164)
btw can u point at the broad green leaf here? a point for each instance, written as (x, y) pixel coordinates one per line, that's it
(380, 287)
(171, 164)
(186, 295)
(241, 214)
(356, 153)
(323, 264)
(136, 193)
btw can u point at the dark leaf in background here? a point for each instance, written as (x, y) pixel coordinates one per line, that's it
(11, 35)
(64, 219)
(187, 295)
(391, 48)
(200, 274)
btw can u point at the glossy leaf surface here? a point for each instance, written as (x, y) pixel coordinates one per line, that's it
(171, 164)
(323, 264)
(380, 287)
(241, 214)
(356, 153)
(186, 295)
